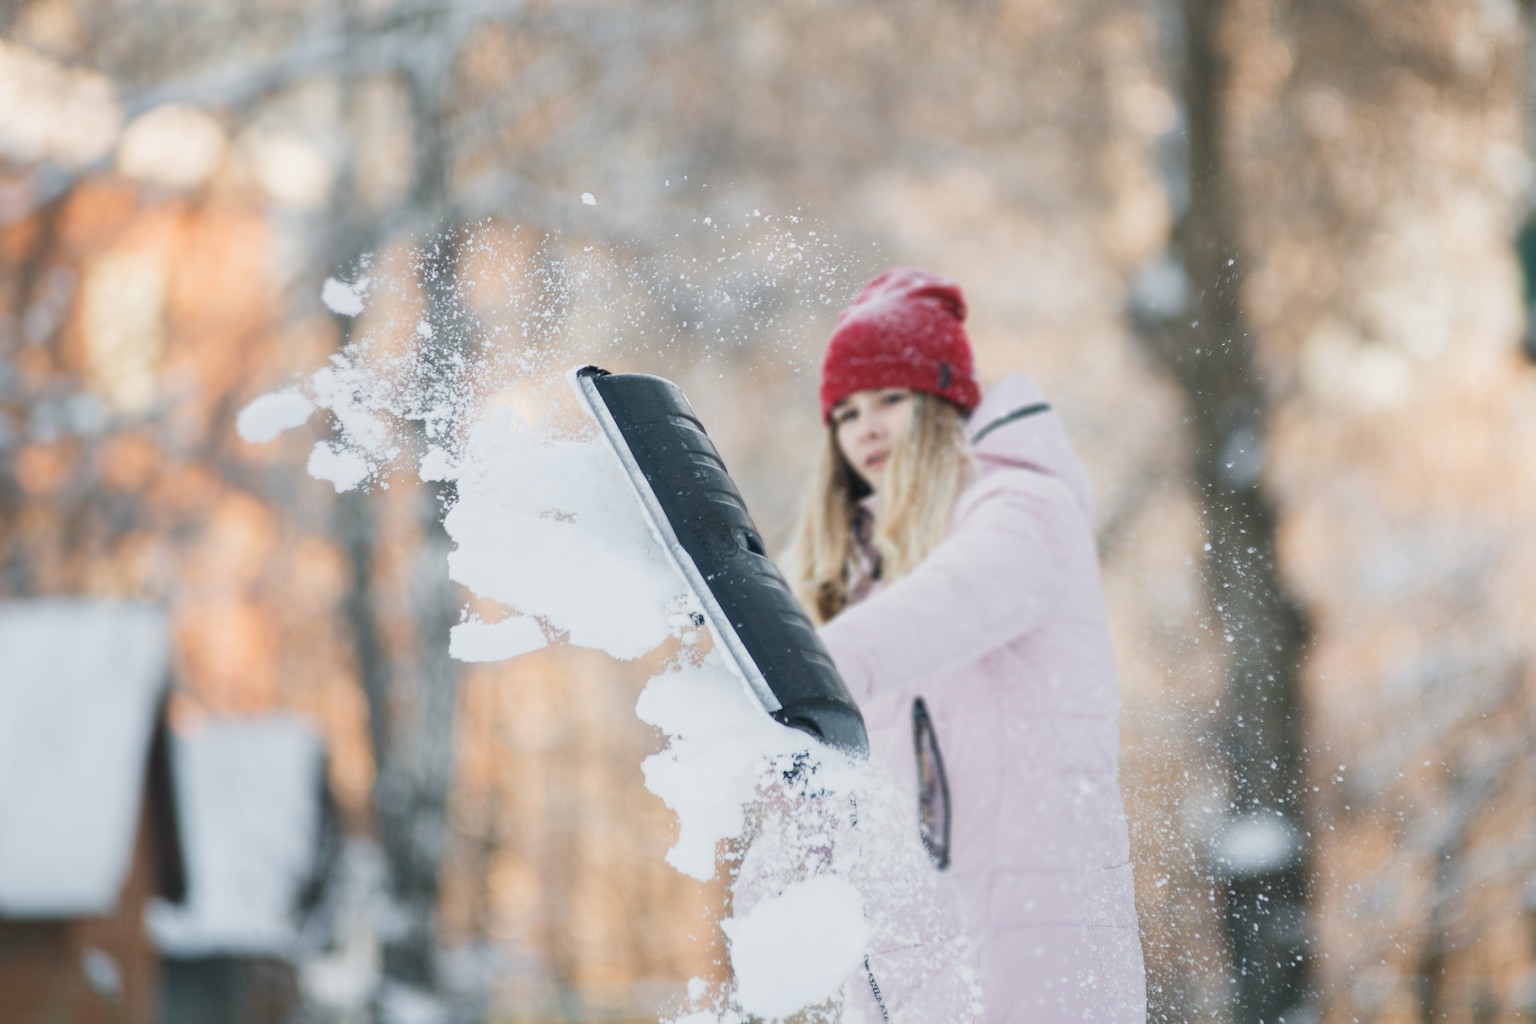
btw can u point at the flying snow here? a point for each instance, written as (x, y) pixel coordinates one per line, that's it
(718, 733)
(341, 298)
(270, 415)
(545, 525)
(548, 527)
(795, 949)
(340, 467)
(476, 640)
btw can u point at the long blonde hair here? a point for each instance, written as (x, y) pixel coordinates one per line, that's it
(928, 468)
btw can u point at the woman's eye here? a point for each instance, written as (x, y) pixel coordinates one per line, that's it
(894, 397)
(843, 416)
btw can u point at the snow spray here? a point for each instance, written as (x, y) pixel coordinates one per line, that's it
(822, 852)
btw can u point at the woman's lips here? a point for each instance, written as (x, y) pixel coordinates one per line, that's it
(875, 461)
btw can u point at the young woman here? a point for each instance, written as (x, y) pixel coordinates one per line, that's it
(946, 548)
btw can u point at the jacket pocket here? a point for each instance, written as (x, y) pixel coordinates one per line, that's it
(933, 806)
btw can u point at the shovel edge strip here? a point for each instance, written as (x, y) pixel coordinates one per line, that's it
(586, 390)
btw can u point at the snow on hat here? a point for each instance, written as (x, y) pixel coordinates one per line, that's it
(904, 330)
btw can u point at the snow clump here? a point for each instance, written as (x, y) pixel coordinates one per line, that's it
(343, 299)
(795, 949)
(549, 528)
(718, 733)
(270, 415)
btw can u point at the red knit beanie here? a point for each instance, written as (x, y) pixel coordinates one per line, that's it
(905, 330)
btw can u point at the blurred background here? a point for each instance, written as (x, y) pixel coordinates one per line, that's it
(1272, 260)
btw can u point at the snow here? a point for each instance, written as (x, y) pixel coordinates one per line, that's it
(549, 527)
(475, 640)
(343, 468)
(701, 1017)
(270, 415)
(710, 772)
(80, 685)
(438, 464)
(355, 397)
(1256, 844)
(428, 375)
(782, 807)
(341, 298)
(588, 199)
(794, 950)
(249, 793)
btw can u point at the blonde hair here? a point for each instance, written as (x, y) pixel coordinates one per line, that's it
(928, 468)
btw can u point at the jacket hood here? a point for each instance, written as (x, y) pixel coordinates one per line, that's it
(1015, 426)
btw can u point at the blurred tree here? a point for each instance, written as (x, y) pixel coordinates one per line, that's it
(1525, 240)
(1189, 311)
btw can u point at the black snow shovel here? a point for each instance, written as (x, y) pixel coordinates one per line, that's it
(698, 514)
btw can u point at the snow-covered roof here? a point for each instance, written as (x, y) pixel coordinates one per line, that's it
(81, 683)
(250, 795)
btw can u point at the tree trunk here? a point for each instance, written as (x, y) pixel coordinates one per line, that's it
(411, 697)
(411, 790)
(1207, 348)
(1525, 241)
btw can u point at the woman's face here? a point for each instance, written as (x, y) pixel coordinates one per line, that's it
(867, 425)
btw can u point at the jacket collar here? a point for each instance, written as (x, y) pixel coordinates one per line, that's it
(1015, 426)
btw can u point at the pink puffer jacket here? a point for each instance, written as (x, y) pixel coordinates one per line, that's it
(1001, 631)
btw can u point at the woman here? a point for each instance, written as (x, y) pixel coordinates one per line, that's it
(947, 551)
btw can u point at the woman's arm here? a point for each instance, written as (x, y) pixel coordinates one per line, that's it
(995, 577)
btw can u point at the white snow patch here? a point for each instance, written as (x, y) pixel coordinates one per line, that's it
(794, 950)
(709, 773)
(353, 396)
(477, 641)
(550, 528)
(341, 298)
(438, 464)
(342, 468)
(588, 199)
(270, 415)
